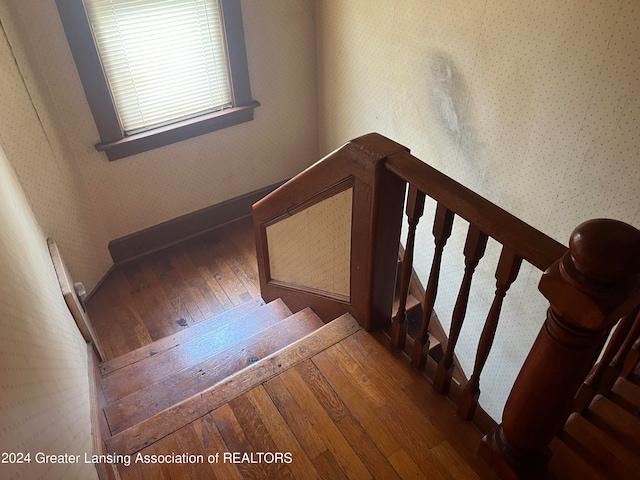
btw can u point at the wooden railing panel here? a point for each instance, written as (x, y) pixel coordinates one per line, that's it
(378, 197)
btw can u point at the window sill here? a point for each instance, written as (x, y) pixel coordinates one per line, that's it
(176, 132)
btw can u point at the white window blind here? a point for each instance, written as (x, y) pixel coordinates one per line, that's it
(164, 59)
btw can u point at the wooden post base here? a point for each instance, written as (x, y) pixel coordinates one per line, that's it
(509, 462)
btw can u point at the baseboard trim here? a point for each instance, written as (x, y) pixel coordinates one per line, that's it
(99, 284)
(186, 226)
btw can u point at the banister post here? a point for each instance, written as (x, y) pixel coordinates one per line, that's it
(589, 290)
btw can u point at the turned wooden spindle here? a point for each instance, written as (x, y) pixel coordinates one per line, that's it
(633, 359)
(617, 364)
(473, 251)
(442, 226)
(415, 208)
(589, 290)
(506, 273)
(605, 373)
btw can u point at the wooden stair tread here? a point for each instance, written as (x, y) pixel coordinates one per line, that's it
(626, 394)
(565, 464)
(153, 369)
(617, 422)
(171, 419)
(600, 450)
(178, 338)
(190, 381)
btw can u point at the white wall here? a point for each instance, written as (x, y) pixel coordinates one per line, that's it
(44, 378)
(533, 104)
(131, 194)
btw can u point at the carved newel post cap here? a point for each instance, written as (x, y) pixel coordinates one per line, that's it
(606, 251)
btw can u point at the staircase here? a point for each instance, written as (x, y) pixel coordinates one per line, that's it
(343, 265)
(142, 386)
(356, 198)
(602, 442)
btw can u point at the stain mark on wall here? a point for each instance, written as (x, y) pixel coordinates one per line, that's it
(450, 99)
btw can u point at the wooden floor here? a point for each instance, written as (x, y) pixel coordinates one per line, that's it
(353, 410)
(167, 291)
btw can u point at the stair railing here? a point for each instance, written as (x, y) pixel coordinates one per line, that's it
(590, 286)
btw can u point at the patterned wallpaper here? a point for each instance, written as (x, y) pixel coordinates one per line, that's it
(43, 358)
(533, 104)
(135, 193)
(313, 247)
(33, 141)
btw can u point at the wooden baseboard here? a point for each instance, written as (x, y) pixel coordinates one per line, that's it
(181, 228)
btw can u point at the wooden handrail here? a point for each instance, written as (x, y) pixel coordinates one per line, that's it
(590, 286)
(526, 242)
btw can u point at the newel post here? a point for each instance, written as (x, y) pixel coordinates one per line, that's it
(589, 290)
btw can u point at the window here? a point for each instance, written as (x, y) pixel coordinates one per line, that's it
(157, 72)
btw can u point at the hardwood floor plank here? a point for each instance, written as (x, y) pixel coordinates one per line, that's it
(213, 443)
(161, 293)
(360, 408)
(328, 468)
(327, 397)
(406, 467)
(283, 437)
(236, 441)
(260, 439)
(465, 436)
(327, 430)
(364, 447)
(295, 418)
(449, 459)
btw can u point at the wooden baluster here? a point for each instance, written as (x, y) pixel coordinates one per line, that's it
(633, 359)
(506, 273)
(473, 252)
(442, 225)
(605, 373)
(589, 290)
(415, 208)
(611, 374)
